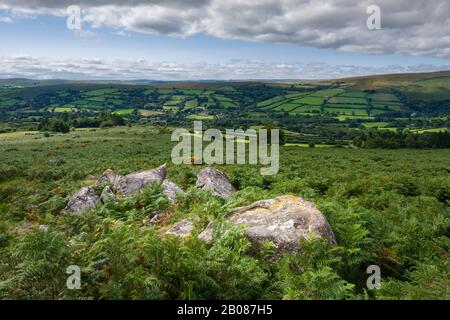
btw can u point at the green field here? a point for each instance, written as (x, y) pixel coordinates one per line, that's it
(347, 99)
(346, 106)
(306, 109)
(124, 111)
(383, 97)
(228, 104)
(350, 112)
(431, 130)
(309, 101)
(200, 117)
(149, 113)
(287, 107)
(375, 124)
(65, 109)
(191, 104)
(328, 93)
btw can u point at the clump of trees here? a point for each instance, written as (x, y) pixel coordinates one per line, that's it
(54, 124)
(63, 123)
(386, 139)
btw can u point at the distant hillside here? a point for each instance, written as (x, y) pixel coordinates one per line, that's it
(389, 99)
(398, 79)
(23, 82)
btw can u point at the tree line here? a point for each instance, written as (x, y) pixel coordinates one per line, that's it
(386, 139)
(63, 122)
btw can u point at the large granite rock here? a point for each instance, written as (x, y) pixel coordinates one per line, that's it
(181, 229)
(84, 199)
(283, 220)
(108, 176)
(207, 234)
(215, 181)
(133, 182)
(170, 190)
(107, 195)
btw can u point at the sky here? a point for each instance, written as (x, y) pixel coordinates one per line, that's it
(220, 39)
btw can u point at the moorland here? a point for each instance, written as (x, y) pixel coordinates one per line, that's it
(370, 152)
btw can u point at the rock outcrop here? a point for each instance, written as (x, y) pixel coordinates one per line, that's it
(84, 199)
(108, 176)
(133, 182)
(170, 190)
(181, 229)
(207, 234)
(283, 220)
(107, 195)
(215, 181)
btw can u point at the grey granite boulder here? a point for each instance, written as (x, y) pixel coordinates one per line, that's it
(283, 220)
(207, 234)
(181, 229)
(170, 190)
(84, 199)
(107, 195)
(108, 176)
(215, 181)
(133, 182)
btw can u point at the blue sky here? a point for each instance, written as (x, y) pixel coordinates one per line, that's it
(43, 40)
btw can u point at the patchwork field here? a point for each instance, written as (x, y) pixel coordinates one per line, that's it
(329, 110)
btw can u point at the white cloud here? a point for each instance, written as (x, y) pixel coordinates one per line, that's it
(6, 19)
(414, 27)
(43, 68)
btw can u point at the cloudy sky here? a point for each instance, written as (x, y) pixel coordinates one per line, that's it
(221, 39)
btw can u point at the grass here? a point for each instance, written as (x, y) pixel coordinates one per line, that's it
(327, 93)
(306, 109)
(287, 107)
(431, 130)
(170, 108)
(100, 92)
(351, 112)
(296, 95)
(354, 94)
(200, 117)
(97, 99)
(306, 145)
(346, 106)
(384, 206)
(345, 99)
(191, 104)
(271, 101)
(20, 134)
(309, 100)
(123, 112)
(228, 104)
(7, 101)
(150, 113)
(375, 124)
(350, 117)
(383, 97)
(64, 109)
(389, 105)
(172, 103)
